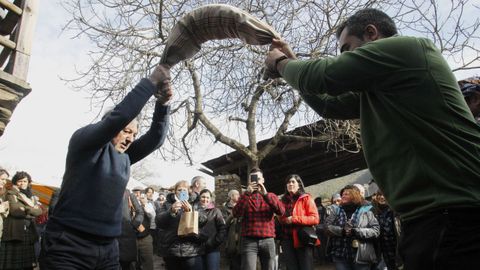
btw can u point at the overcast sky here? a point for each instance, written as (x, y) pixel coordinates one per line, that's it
(36, 138)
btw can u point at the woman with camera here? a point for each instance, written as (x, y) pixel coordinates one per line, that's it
(354, 229)
(298, 234)
(179, 252)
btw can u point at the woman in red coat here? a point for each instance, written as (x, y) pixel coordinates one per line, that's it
(300, 211)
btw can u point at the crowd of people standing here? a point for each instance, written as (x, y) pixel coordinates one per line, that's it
(249, 225)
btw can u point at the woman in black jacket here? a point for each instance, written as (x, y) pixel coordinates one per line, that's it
(179, 253)
(212, 230)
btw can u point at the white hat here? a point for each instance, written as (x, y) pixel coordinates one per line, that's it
(361, 188)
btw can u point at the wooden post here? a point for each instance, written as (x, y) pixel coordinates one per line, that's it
(19, 24)
(11, 6)
(23, 39)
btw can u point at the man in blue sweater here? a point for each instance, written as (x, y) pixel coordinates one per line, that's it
(82, 231)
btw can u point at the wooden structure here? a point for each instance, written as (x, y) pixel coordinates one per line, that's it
(17, 23)
(311, 160)
(43, 192)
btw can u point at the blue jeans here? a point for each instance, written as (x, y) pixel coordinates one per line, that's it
(442, 240)
(342, 264)
(261, 247)
(211, 260)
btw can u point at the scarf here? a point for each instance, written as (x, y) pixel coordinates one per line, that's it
(349, 209)
(27, 192)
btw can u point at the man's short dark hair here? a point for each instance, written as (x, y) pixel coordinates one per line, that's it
(255, 170)
(356, 23)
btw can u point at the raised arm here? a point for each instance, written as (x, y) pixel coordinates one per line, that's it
(345, 106)
(275, 203)
(154, 137)
(372, 67)
(96, 135)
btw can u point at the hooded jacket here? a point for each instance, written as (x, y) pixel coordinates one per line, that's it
(305, 213)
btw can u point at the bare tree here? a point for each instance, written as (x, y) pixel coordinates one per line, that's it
(141, 172)
(220, 93)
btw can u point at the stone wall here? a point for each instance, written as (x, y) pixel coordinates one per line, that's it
(223, 184)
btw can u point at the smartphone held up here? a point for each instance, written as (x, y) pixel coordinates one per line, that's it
(183, 196)
(254, 178)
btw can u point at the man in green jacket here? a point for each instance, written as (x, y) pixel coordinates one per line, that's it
(420, 140)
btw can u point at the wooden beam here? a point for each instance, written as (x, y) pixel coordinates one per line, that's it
(4, 54)
(14, 82)
(7, 43)
(8, 24)
(233, 165)
(205, 171)
(26, 27)
(10, 6)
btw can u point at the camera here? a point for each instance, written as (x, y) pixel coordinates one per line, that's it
(254, 178)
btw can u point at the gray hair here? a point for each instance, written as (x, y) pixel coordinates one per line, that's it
(196, 179)
(231, 192)
(138, 118)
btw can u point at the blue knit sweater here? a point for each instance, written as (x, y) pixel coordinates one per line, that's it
(96, 174)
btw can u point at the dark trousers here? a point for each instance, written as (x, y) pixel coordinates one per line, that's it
(235, 262)
(67, 250)
(183, 263)
(127, 265)
(154, 234)
(442, 240)
(296, 258)
(145, 253)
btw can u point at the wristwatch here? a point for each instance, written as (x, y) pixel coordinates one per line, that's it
(278, 60)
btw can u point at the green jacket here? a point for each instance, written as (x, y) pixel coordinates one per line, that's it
(419, 138)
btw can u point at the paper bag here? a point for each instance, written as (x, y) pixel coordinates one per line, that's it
(188, 224)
